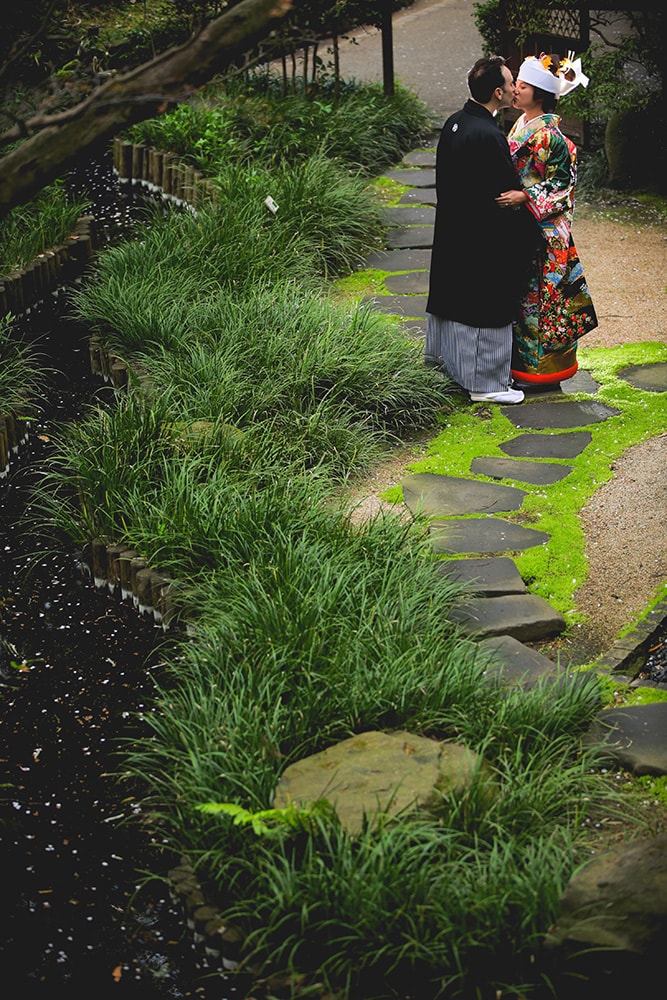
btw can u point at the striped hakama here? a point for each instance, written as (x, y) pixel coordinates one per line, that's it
(478, 358)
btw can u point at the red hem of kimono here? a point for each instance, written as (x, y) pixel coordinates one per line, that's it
(551, 377)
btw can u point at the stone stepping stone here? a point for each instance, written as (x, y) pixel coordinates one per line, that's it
(485, 534)
(636, 736)
(433, 495)
(514, 664)
(650, 378)
(581, 381)
(412, 237)
(489, 577)
(416, 215)
(413, 306)
(421, 177)
(526, 617)
(420, 158)
(399, 260)
(419, 196)
(612, 921)
(535, 473)
(567, 445)
(571, 413)
(412, 283)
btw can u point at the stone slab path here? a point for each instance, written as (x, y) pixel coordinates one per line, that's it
(501, 615)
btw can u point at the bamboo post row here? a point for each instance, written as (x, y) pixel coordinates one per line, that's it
(126, 574)
(27, 287)
(162, 173)
(13, 433)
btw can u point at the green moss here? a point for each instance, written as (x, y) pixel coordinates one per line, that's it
(653, 787)
(615, 694)
(389, 191)
(555, 571)
(365, 282)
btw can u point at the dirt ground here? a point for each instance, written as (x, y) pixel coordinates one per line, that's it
(625, 523)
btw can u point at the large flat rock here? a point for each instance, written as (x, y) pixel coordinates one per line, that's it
(407, 259)
(581, 381)
(569, 413)
(535, 473)
(408, 215)
(609, 939)
(414, 237)
(419, 177)
(376, 772)
(526, 617)
(488, 577)
(650, 378)
(636, 736)
(420, 157)
(419, 196)
(412, 283)
(414, 328)
(433, 495)
(514, 664)
(483, 535)
(569, 444)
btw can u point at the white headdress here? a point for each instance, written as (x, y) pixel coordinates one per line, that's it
(536, 71)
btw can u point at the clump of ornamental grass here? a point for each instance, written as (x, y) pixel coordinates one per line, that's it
(96, 463)
(252, 121)
(277, 672)
(284, 353)
(30, 229)
(323, 207)
(138, 290)
(22, 373)
(301, 382)
(308, 629)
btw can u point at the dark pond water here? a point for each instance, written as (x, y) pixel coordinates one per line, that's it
(76, 673)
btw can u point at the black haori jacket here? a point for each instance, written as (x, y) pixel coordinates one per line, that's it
(481, 253)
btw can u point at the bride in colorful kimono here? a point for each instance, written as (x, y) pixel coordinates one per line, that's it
(557, 309)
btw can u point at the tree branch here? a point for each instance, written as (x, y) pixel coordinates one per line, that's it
(58, 142)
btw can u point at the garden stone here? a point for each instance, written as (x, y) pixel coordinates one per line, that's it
(415, 328)
(581, 381)
(377, 773)
(650, 378)
(609, 939)
(535, 473)
(485, 534)
(419, 237)
(420, 158)
(418, 177)
(570, 413)
(434, 495)
(413, 283)
(524, 616)
(419, 196)
(488, 577)
(636, 736)
(513, 664)
(567, 445)
(399, 260)
(407, 215)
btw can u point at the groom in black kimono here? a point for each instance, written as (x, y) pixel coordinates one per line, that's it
(481, 251)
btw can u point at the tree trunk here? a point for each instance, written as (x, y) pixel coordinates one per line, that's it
(57, 142)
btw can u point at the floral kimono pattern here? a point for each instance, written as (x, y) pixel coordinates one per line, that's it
(557, 308)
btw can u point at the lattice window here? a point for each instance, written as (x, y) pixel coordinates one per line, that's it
(565, 23)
